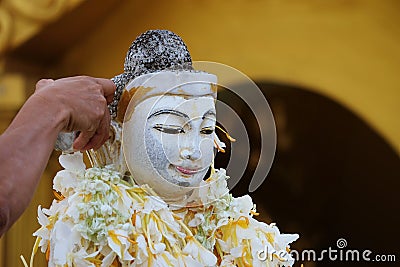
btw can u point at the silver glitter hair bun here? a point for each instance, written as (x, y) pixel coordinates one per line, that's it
(152, 51)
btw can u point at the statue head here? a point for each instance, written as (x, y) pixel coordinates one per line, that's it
(168, 114)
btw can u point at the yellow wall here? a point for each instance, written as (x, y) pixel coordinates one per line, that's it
(348, 50)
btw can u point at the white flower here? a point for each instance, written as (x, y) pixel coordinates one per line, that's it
(142, 253)
(186, 261)
(227, 261)
(108, 259)
(119, 243)
(285, 239)
(199, 253)
(280, 241)
(153, 203)
(63, 240)
(164, 259)
(105, 176)
(215, 188)
(167, 217)
(237, 251)
(106, 209)
(115, 179)
(56, 207)
(197, 220)
(43, 232)
(245, 230)
(75, 208)
(78, 259)
(100, 186)
(273, 243)
(174, 227)
(92, 173)
(225, 246)
(73, 162)
(122, 206)
(242, 205)
(65, 180)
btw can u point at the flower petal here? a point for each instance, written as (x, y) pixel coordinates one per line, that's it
(72, 162)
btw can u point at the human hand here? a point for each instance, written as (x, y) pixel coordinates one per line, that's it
(81, 102)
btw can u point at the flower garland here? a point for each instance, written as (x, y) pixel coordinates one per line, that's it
(100, 220)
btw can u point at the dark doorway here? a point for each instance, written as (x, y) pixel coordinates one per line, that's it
(333, 176)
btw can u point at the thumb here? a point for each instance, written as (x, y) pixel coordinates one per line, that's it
(83, 139)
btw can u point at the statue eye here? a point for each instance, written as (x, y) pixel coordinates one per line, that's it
(207, 130)
(169, 129)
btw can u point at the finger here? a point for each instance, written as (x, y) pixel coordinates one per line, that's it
(93, 142)
(108, 88)
(43, 82)
(104, 128)
(83, 139)
(101, 134)
(107, 127)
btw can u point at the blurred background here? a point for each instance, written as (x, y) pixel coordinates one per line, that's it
(329, 69)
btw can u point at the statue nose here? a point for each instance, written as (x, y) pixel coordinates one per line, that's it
(190, 153)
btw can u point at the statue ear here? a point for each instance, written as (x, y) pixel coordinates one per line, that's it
(120, 82)
(123, 104)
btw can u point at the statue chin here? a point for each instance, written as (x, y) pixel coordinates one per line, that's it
(169, 192)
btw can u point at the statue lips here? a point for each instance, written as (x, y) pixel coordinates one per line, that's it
(187, 171)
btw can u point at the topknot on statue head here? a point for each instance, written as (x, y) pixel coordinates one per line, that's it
(156, 50)
(164, 54)
(152, 51)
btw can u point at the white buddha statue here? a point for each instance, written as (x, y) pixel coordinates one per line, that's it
(146, 200)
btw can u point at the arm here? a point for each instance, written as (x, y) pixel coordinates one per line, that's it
(69, 104)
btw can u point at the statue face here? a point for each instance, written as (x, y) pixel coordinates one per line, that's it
(168, 142)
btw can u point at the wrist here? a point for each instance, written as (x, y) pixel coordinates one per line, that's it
(51, 110)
